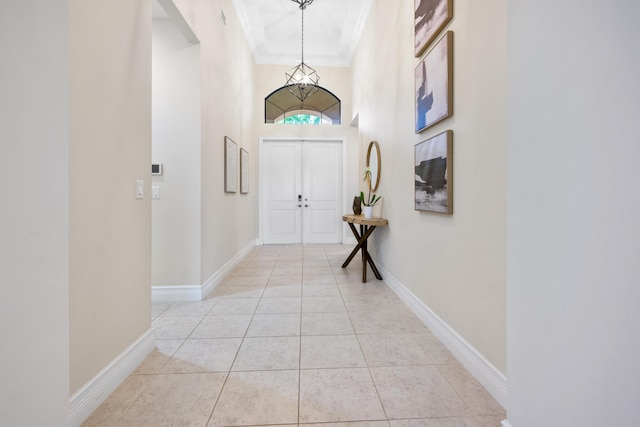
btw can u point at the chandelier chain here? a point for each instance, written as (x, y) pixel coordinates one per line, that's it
(302, 38)
(302, 80)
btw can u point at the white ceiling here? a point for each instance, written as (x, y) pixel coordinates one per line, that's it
(332, 30)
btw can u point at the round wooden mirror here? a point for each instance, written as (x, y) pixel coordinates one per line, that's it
(373, 163)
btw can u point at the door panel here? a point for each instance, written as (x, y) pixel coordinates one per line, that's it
(322, 186)
(284, 222)
(312, 171)
(283, 175)
(283, 217)
(323, 221)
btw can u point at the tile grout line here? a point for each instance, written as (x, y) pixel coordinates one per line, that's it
(362, 295)
(234, 359)
(157, 374)
(300, 342)
(384, 410)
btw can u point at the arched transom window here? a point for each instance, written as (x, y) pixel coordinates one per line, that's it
(282, 106)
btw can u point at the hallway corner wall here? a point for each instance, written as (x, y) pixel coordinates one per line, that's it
(573, 229)
(454, 264)
(109, 150)
(228, 220)
(34, 213)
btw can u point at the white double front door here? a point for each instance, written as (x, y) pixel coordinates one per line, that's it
(301, 184)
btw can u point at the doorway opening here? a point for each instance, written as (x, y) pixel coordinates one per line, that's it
(176, 145)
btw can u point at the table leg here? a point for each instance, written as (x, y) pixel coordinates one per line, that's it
(366, 258)
(361, 237)
(365, 254)
(361, 240)
(373, 267)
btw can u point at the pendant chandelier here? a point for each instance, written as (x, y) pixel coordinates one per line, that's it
(302, 80)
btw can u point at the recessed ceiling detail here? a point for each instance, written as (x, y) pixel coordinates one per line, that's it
(332, 30)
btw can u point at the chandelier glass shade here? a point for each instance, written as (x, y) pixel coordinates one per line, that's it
(302, 79)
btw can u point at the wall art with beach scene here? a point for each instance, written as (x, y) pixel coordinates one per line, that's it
(434, 84)
(431, 16)
(434, 174)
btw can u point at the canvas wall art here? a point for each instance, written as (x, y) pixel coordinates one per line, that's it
(230, 165)
(434, 84)
(434, 174)
(431, 16)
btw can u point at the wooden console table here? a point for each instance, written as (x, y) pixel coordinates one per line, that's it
(366, 229)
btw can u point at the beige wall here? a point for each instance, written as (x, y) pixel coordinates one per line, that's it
(109, 149)
(573, 229)
(454, 264)
(34, 220)
(228, 219)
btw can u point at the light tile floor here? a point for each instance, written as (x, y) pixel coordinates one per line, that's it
(291, 338)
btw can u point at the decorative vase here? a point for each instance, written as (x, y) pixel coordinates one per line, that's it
(357, 205)
(368, 212)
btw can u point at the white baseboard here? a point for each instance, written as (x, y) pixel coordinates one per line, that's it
(216, 279)
(97, 389)
(199, 292)
(176, 293)
(482, 370)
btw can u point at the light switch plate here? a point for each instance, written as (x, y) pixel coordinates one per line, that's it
(155, 192)
(139, 189)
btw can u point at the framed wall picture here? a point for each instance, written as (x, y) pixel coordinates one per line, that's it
(230, 165)
(244, 171)
(434, 174)
(434, 84)
(431, 16)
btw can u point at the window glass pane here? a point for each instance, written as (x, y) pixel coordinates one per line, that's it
(302, 119)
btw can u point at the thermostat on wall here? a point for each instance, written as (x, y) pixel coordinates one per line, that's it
(156, 169)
